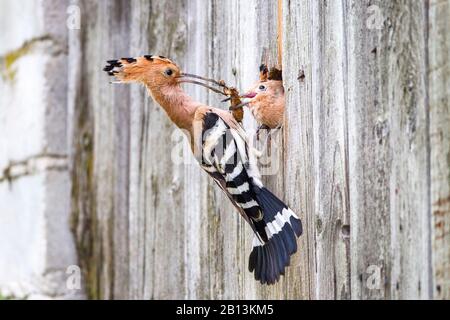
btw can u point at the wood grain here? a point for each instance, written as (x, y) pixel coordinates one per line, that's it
(439, 118)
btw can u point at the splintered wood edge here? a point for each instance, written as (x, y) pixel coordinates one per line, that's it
(280, 34)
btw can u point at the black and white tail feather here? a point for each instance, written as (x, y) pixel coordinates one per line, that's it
(270, 256)
(226, 156)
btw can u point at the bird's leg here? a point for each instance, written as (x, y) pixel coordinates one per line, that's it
(263, 126)
(268, 140)
(259, 153)
(269, 136)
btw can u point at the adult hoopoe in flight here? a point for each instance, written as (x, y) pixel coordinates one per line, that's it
(221, 147)
(265, 99)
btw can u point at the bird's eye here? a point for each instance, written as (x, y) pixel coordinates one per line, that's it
(262, 87)
(168, 72)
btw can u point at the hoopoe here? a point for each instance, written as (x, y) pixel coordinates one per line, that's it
(265, 99)
(223, 152)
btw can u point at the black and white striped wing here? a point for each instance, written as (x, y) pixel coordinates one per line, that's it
(225, 156)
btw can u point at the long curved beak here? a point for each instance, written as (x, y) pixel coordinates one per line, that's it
(187, 78)
(190, 75)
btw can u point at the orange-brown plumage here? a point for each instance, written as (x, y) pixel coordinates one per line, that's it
(266, 102)
(265, 98)
(162, 79)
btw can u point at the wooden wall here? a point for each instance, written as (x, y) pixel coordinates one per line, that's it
(364, 156)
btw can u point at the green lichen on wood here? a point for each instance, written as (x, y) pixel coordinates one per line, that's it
(8, 71)
(9, 59)
(84, 212)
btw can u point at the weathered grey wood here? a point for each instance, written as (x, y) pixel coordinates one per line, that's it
(316, 150)
(330, 136)
(439, 107)
(364, 156)
(388, 165)
(101, 148)
(299, 160)
(363, 116)
(158, 191)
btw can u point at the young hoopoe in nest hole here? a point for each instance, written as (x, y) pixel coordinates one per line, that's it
(265, 98)
(222, 150)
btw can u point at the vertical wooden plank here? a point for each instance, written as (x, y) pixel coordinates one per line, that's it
(162, 180)
(139, 43)
(100, 183)
(367, 159)
(202, 250)
(317, 92)
(298, 148)
(439, 107)
(403, 76)
(388, 150)
(329, 91)
(120, 141)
